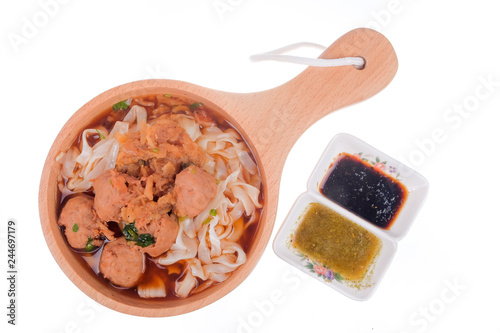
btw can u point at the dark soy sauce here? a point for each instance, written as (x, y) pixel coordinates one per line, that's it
(362, 189)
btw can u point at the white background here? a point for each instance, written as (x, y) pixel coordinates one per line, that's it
(445, 49)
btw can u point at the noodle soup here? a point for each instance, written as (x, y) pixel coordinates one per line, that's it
(161, 197)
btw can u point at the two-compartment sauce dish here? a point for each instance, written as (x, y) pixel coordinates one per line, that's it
(344, 230)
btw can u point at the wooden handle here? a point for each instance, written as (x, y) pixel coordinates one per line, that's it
(280, 115)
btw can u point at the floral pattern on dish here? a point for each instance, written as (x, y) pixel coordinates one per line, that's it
(321, 270)
(378, 164)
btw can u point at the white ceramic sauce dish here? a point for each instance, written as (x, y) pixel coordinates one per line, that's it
(417, 189)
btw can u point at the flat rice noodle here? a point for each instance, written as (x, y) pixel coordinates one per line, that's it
(136, 113)
(152, 289)
(106, 162)
(189, 228)
(215, 248)
(121, 127)
(247, 161)
(68, 162)
(190, 126)
(214, 272)
(226, 232)
(73, 183)
(230, 248)
(85, 184)
(203, 250)
(243, 197)
(97, 153)
(215, 135)
(113, 155)
(237, 210)
(62, 187)
(219, 230)
(219, 277)
(220, 168)
(144, 103)
(183, 288)
(217, 147)
(225, 207)
(209, 165)
(86, 152)
(97, 159)
(252, 192)
(233, 166)
(203, 286)
(237, 230)
(196, 269)
(217, 268)
(102, 141)
(212, 130)
(228, 153)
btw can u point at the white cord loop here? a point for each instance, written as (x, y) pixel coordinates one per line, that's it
(277, 55)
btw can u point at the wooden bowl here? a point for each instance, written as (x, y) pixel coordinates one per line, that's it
(271, 121)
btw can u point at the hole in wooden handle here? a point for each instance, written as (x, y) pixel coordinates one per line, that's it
(362, 66)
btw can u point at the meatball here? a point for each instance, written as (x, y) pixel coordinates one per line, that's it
(195, 189)
(82, 226)
(174, 141)
(151, 218)
(121, 263)
(112, 192)
(165, 130)
(165, 231)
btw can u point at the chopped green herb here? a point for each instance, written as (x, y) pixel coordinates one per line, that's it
(182, 218)
(167, 95)
(145, 240)
(132, 235)
(195, 105)
(130, 232)
(155, 150)
(111, 182)
(101, 136)
(213, 212)
(217, 181)
(75, 227)
(123, 105)
(207, 221)
(89, 247)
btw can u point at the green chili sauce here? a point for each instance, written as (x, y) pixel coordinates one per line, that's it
(336, 242)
